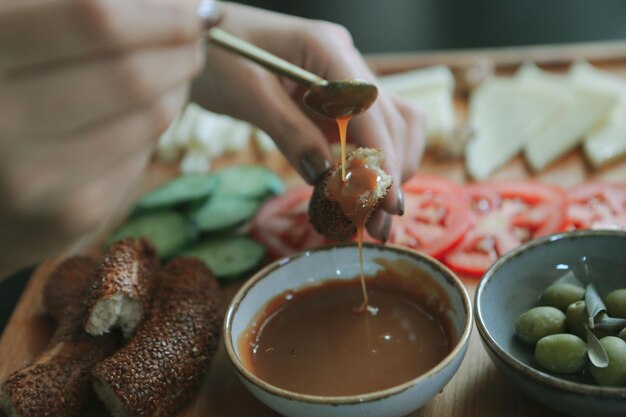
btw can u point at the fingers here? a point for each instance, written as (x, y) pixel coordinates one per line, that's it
(250, 93)
(57, 101)
(409, 154)
(302, 143)
(371, 130)
(34, 238)
(42, 177)
(39, 32)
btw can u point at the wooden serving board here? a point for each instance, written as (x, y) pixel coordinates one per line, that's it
(477, 390)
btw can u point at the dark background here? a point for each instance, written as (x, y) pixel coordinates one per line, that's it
(413, 25)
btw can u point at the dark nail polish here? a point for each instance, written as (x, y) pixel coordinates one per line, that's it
(400, 202)
(384, 232)
(209, 13)
(314, 165)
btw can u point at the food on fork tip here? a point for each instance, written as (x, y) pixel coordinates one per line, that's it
(58, 383)
(123, 288)
(337, 207)
(167, 357)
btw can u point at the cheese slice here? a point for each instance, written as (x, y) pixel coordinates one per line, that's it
(263, 141)
(504, 115)
(607, 141)
(174, 141)
(431, 89)
(201, 136)
(583, 108)
(415, 82)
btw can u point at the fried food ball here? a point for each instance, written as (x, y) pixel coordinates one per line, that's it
(326, 214)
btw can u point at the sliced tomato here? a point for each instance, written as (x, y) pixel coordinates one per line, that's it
(282, 224)
(436, 215)
(504, 215)
(597, 205)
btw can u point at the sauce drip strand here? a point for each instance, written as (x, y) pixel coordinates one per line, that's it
(342, 123)
(355, 194)
(341, 100)
(310, 341)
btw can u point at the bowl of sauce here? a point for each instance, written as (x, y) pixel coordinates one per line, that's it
(301, 343)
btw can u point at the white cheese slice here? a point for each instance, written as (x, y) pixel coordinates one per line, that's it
(201, 136)
(216, 134)
(432, 90)
(263, 141)
(195, 163)
(168, 149)
(504, 115)
(415, 82)
(583, 109)
(607, 141)
(187, 126)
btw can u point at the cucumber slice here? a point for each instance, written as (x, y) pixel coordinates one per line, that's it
(252, 181)
(179, 190)
(222, 212)
(228, 257)
(167, 230)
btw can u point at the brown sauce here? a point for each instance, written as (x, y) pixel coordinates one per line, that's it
(355, 195)
(310, 341)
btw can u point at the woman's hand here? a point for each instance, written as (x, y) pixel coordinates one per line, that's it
(235, 86)
(86, 87)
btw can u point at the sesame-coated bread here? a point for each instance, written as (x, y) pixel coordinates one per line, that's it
(58, 382)
(67, 284)
(123, 288)
(165, 361)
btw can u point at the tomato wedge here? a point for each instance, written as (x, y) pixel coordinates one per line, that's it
(504, 215)
(597, 205)
(436, 215)
(282, 224)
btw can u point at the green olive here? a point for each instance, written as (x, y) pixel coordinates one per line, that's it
(561, 295)
(622, 334)
(561, 353)
(613, 375)
(539, 322)
(575, 319)
(616, 303)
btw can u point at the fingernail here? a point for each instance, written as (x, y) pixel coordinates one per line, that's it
(400, 201)
(209, 13)
(384, 232)
(314, 165)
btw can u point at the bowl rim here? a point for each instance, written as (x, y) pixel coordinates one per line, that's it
(346, 399)
(530, 372)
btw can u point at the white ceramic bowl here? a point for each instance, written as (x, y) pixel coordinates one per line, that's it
(341, 262)
(514, 284)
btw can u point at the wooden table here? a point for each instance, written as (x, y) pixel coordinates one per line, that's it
(477, 390)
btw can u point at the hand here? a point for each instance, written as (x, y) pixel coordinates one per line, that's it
(242, 89)
(86, 87)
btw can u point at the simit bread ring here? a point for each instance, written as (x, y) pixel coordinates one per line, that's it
(165, 361)
(58, 383)
(123, 288)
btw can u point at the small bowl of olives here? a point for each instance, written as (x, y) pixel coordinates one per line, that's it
(552, 317)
